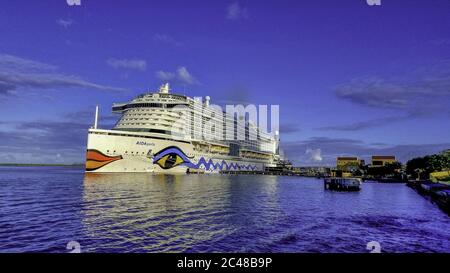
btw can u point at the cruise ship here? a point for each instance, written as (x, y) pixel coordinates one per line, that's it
(159, 132)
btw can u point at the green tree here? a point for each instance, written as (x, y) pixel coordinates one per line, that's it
(388, 170)
(428, 164)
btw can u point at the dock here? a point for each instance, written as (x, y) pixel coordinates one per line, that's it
(342, 184)
(438, 193)
(265, 172)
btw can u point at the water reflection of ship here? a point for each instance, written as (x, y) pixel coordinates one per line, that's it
(154, 210)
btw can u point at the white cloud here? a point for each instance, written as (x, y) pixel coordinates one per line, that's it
(404, 92)
(136, 64)
(19, 74)
(14, 63)
(314, 155)
(236, 11)
(166, 39)
(10, 82)
(182, 75)
(185, 76)
(165, 76)
(65, 23)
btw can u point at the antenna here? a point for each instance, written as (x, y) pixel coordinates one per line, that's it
(96, 117)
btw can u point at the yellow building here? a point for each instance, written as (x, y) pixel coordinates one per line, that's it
(345, 162)
(382, 160)
(442, 176)
(341, 173)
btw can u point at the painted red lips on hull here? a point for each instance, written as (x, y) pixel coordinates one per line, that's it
(96, 159)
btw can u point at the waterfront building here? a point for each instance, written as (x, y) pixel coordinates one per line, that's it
(313, 171)
(341, 173)
(348, 163)
(382, 160)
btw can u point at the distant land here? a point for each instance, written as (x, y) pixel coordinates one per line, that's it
(40, 165)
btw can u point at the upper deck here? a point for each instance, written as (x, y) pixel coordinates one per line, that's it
(161, 99)
(189, 119)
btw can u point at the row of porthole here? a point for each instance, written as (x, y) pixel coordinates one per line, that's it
(144, 114)
(148, 110)
(137, 153)
(152, 112)
(126, 152)
(153, 119)
(151, 124)
(143, 123)
(144, 169)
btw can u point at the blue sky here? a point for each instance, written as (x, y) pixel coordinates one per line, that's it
(350, 79)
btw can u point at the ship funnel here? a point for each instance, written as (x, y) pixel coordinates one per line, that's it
(164, 88)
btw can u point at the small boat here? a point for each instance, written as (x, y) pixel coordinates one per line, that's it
(342, 184)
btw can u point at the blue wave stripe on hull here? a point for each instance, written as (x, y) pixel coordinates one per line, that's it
(208, 164)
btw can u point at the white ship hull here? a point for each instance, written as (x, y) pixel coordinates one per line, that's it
(110, 151)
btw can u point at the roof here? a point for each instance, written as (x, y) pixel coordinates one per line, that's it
(383, 157)
(347, 158)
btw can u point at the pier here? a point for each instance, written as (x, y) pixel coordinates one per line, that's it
(342, 184)
(265, 172)
(438, 193)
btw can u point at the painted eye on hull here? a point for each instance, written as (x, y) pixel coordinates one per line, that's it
(171, 157)
(170, 160)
